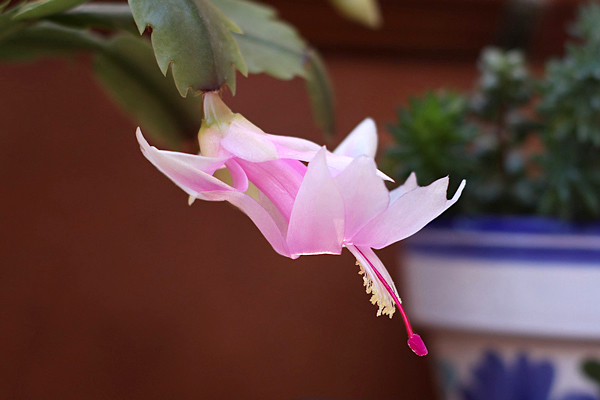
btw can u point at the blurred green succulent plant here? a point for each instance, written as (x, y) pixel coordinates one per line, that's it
(525, 145)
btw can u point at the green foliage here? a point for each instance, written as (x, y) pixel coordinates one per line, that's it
(108, 17)
(275, 48)
(440, 134)
(587, 27)
(591, 368)
(127, 70)
(267, 45)
(515, 161)
(571, 88)
(8, 25)
(431, 137)
(47, 39)
(205, 40)
(125, 65)
(43, 8)
(504, 82)
(571, 183)
(570, 110)
(195, 39)
(202, 41)
(320, 92)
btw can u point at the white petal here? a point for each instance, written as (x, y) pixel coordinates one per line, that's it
(361, 141)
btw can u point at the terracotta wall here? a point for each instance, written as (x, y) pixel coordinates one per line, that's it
(438, 28)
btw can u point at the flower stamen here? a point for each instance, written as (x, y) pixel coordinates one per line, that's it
(414, 340)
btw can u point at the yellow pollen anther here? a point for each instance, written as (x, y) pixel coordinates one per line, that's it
(378, 295)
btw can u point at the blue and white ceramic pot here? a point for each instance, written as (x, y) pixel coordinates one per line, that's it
(512, 306)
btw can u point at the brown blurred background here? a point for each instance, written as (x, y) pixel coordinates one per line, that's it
(111, 287)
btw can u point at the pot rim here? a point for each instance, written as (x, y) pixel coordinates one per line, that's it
(515, 224)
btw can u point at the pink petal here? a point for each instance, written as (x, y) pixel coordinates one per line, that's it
(190, 172)
(185, 170)
(206, 164)
(238, 176)
(276, 215)
(361, 141)
(336, 162)
(292, 147)
(317, 219)
(305, 150)
(364, 193)
(407, 215)
(279, 180)
(248, 142)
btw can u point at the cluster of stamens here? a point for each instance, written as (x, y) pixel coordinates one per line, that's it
(386, 305)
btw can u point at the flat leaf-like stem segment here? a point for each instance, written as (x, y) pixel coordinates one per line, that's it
(47, 39)
(320, 92)
(106, 16)
(127, 70)
(126, 67)
(270, 46)
(44, 8)
(195, 38)
(8, 25)
(267, 44)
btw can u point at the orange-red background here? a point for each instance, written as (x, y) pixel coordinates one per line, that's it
(111, 287)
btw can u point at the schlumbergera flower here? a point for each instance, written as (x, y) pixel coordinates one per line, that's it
(338, 200)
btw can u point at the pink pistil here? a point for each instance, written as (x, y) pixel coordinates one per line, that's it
(414, 341)
(416, 344)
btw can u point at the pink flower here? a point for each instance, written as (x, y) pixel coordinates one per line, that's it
(338, 200)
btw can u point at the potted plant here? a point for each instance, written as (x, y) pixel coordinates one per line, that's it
(508, 282)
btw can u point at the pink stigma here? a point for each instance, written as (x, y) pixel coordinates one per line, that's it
(416, 344)
(414, 341)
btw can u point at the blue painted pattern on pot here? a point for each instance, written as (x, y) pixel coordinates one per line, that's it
(525, 379)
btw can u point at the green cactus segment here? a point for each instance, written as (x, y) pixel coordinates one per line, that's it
(195, 39)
